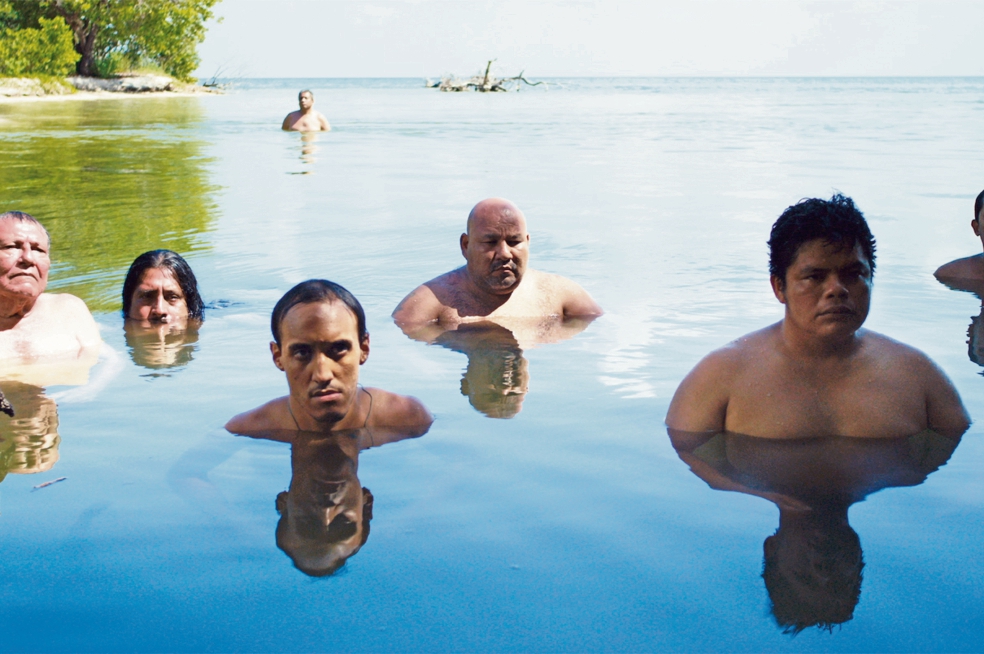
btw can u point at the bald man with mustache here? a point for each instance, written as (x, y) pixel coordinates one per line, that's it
(495, 282)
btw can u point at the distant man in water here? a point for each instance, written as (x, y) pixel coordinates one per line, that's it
(495, 281)
(816, 372)
(320, 340)
(35, 324)
(968, 269)
(306, 119)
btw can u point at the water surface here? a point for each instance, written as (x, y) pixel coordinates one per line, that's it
(572, 525)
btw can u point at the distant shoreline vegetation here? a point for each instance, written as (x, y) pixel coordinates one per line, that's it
(52, 39)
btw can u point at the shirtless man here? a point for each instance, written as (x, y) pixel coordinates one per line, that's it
(320, 340)
(35, 325)
(495, 283)
(816, 372)
(967, 273)
(306, 119)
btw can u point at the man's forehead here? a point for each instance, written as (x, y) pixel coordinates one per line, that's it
(508, 223)
(823, 252)
(14, 228)
(323, 320)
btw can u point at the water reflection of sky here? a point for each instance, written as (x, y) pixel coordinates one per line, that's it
(572, 525)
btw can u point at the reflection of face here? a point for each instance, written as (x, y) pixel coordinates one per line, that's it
(305, 100)
(323, 514)
(29, 441)
(24, 259)
(496, 248)
(321, 354)
(158, 298)
(161, 345)
(496, 382)
(827, 289)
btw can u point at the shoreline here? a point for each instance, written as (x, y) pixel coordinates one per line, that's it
(27, 89)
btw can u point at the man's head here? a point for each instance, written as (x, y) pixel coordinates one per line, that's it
(160, 287)
(821, 260)
(319, 341)
(305, 99)
(24, 260)
(496, 246)
(978, 215)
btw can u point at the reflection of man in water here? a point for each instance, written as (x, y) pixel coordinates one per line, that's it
(969, 270)
(162, 309)
(29, 440)
(816, 372)
(813, 562)
(320, 341)
(495, 283)
(497, 377)
(35, 324)
(306, 119)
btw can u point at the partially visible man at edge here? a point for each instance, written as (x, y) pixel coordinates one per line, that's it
(319, 341)
(306, 119)
(816, 372)
(495, 282)
(967, 273)
(35, 325)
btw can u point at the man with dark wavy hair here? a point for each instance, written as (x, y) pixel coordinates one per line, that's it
(816, 372)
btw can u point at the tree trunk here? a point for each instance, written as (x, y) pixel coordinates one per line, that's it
(85, 46)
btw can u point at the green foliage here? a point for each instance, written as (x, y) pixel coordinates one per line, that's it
(106, 188)
(47, 51)
(116, 35)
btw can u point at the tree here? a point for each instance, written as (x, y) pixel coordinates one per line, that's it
(46, 51)
(111, 34)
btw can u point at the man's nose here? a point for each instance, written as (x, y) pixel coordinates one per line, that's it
(323, 368)
(28, 255)
(836, 287)
(502, 250)
(160, 306)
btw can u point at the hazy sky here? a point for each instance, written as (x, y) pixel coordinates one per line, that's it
(402, 38)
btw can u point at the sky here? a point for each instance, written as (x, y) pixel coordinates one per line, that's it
(547, 38)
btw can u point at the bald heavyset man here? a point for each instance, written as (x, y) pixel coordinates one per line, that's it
(495, 282)
(33, 324)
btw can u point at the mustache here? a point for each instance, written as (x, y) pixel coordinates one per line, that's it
(509, 265)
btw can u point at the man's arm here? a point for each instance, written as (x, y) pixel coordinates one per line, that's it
(287, 122)
(945, 412)
(700, 403)
(323, 123)
(418, 313)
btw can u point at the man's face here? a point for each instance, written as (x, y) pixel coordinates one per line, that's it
(305, 100)
(496, 248)
(827, 290)
(24, 259)
(158, 298)
(321, 354)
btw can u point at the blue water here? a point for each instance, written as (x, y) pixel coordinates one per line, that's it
(573, 525)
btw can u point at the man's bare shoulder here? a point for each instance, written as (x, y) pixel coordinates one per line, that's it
(701, 400)
(290, 119)
(398, 412)
(890, 353)
(567, 293)
(967, 268)
(264, 418)
(67, 313)
(428, 301)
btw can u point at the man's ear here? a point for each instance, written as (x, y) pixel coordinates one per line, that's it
(364, 346)
(976, 226)
(275, 351)
(778, 288)
(463, 242)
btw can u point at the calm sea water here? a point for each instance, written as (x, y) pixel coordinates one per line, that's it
(572, 525)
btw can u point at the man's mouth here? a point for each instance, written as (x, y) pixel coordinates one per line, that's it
(325, 394)
(838, 311)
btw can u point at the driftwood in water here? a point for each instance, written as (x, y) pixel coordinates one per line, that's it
(482, 83)
(5, 406)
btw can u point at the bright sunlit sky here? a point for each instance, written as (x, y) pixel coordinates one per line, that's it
(425, 38)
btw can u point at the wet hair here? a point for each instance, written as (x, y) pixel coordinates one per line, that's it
(303, 92)
(316, 290)
(836, 221)
(824, 586)
(174, 264)
(978, 205)
(25, 218)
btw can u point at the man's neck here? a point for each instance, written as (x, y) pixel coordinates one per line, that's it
(482, 296)
(13, 310)
(351, 420)
(804, 345)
